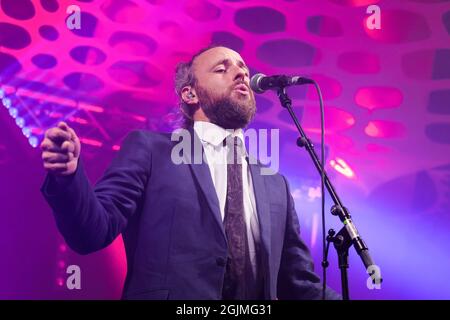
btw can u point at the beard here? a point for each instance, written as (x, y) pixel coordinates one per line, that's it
(227, 111)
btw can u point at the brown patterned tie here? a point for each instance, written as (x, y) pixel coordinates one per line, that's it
(235, 228)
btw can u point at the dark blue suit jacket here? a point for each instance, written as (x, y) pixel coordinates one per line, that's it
(171, 224)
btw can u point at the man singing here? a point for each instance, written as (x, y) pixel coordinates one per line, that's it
(205, 230)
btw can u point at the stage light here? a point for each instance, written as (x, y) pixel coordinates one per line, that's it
(6, 102)
(342, 167)
(13, 112)
(33, 141)
(2, 94)
(60, 281)
(20, 122)
(26, 132)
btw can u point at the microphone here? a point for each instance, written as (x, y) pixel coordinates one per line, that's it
(260, 82)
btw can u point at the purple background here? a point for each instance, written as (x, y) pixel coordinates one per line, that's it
(387, 98)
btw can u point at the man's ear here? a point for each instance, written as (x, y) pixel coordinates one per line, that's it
(189, 95)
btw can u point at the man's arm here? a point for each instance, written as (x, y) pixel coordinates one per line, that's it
(91, 218)
(296, 278)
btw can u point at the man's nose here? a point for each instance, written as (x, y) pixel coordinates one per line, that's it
(240, 73)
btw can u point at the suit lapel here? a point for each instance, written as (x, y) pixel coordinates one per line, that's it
(262, 206)
(200, 169)
(201, 172)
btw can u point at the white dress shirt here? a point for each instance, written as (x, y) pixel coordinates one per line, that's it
(212, 137)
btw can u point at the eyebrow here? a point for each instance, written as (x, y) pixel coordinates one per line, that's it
(227, 62)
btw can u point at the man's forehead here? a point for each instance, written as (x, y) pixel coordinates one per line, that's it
(216, 55)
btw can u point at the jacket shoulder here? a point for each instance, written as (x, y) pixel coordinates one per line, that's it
(150, 137)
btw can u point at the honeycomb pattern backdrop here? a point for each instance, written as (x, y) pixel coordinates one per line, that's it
(387, 112)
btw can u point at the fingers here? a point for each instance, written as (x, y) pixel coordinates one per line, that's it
(60, 149)
(61, 138)
(63, 125)
(57, 135)
(68, 146)
(76, 142)
(77, 146)
(55, 167)
(65, 147)
(55, 157)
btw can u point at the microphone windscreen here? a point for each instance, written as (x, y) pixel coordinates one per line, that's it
(254, 82)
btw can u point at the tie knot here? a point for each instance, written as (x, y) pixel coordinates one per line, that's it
(230, 140)
(235, 149)
(237, 142)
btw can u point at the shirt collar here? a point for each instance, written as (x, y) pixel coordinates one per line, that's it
(213, 134)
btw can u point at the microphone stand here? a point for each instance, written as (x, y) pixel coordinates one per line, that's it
(348, 235)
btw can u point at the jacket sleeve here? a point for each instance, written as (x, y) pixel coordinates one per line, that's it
(296, 277)
(90, 218)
